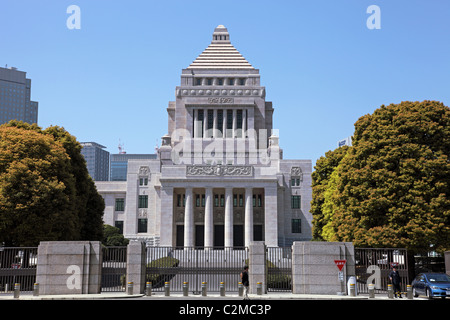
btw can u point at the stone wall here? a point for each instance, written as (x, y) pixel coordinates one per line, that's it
(69, 267)
(314, 270)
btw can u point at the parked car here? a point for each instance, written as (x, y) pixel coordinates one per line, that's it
(432, 285)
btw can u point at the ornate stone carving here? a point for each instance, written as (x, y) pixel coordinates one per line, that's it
(144, 171)
(220, 100)
(143, 213)
(218, 170)
(296, 172)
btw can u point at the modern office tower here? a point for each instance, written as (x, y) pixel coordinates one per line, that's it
(219, 179)
(15, 97)
(97, 160)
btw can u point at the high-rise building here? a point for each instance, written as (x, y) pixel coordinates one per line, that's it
(97, 160)
(220, 179)
(119, 164)
(15, 97)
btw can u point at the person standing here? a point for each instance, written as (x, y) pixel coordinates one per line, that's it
(395, 279)
(245, 282)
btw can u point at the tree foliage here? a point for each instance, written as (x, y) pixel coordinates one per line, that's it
(45, 191)
(392, 188)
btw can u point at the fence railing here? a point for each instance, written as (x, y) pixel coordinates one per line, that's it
(195, 266)
(279, 269)
(375, 264)
(114, 268)
(17, 265)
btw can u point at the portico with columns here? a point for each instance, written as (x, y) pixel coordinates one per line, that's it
(219, 179)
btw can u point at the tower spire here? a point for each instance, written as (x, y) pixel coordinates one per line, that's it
(221, 35)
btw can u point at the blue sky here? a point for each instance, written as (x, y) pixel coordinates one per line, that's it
(322, 67)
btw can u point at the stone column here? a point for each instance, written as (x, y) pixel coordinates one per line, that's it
(215, 133)
(189, 219)
(224, 123)
(244, 123)
(248, 216)
(208, 217)
(228, 216)
(234, 123)
(195, 111)
(205, 122)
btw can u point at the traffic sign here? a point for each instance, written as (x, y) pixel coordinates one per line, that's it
(340, 263)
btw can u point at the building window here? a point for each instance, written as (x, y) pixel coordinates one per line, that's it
(198, 81)
(296, 226)
(259, 200)
(220, 81)
(222, 200)
(119, 225)
(242, 81)
(241, 200)
(295, 201)
(231, 82)
(181, 199)
(143, 201)
(200, 200)
(295, 182)
(235, 200)
(120, 204)
(216, 200)
(220, 120)
(210, 82)
(143, 181)
(142, 225)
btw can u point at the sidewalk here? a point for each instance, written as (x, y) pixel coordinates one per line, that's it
(211, 296)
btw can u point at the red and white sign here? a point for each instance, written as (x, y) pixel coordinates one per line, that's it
(340, 263)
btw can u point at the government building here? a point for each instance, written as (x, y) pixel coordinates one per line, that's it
(219, 178)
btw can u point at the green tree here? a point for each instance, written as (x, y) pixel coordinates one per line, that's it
(45, 187)
(35, 189)
(324, 168)
(87, 202)
(113, 237)
(392, 189)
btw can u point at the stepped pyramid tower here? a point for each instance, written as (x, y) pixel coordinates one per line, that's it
(220, 179)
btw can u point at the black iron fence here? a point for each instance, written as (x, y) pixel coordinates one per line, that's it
(279, 269)
(17, 265)
(195, 266)
(114, 269)
(373, 265)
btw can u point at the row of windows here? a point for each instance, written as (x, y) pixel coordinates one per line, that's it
(220, 81)
(142, 225)
(219, 201)
(296, 225)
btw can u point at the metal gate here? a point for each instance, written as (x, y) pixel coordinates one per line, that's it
(279, 269)
(195, 266)
(17, 265)
(374, 264)
(114, 269)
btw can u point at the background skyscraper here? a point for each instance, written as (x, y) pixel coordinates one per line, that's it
(15, 97)
(97, 160)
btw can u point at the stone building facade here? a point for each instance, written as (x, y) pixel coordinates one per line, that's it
(219, 179)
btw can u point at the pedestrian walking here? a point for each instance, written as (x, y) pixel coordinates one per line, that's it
(245, 282)
(395, 279)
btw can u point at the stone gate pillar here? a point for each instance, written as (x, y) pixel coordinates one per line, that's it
(69, 267)
(257, 265)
